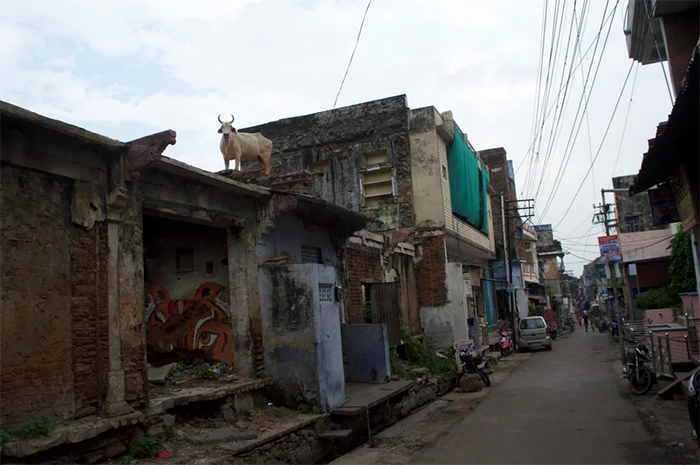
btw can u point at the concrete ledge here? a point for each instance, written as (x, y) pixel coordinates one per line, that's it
(237, 449)
(79, 431)
(162, 404)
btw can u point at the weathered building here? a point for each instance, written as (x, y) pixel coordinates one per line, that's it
(401, 167)
(115, 258)
(633, 212)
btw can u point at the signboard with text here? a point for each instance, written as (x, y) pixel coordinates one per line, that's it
(529, 231)
(609, 249)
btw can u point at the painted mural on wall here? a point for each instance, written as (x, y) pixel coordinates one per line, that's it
(201, 323)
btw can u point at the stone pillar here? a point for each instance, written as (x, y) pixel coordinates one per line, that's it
(114, 404)
(243, 362)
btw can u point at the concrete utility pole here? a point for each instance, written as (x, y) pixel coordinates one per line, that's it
(609, 223)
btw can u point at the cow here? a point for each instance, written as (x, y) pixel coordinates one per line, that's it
(242, 146)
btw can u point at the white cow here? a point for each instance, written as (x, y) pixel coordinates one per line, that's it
(242, 146)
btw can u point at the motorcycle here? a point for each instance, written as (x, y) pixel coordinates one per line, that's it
(614, 330)
(553, 332)
(474, 364)
(604, 325)
(639, 375)
(569, 324)
(505, 342)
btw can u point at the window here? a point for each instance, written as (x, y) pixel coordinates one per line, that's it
(377, 186)
(375, 158)
(310, 254)
(532, 323)
(323, 166)
(633, 223)
(184, 259)
(325, 292)
(210, 268)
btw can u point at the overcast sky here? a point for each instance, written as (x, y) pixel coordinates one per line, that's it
(126, 69)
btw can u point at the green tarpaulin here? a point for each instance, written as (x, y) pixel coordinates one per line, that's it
(468, 184)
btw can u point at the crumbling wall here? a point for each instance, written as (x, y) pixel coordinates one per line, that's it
(362, 265)
(186, 274)
(430, 270)
(332, 146)
(37, 306)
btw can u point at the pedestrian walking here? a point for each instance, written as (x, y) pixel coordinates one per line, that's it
(585, 320)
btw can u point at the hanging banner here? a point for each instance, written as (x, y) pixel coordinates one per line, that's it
(529, 231)
(663, 205)
(684, 199)
(609, 249)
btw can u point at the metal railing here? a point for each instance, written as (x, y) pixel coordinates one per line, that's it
(665, 350)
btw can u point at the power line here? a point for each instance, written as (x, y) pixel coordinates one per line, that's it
(571, 142)
(658, 53)
(357, 41)
(600, 147)
(624, 128)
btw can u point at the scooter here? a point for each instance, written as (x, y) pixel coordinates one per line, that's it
(506, 342)
(474, 364)
(639, 374)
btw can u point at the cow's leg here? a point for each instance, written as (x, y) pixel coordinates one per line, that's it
(227, 161)
(238, 162)
(266, 164)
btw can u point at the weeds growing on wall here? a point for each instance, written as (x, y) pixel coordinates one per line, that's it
(682, 267)
(420, 355)
(30, 429)
(145, 448)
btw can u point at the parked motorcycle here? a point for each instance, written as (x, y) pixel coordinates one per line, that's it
(604, 325)
(569, 324)
(474, 364)
(553, 332)
(505, 342)
(639, 375)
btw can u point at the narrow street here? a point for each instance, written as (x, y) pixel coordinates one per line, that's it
(564, 406)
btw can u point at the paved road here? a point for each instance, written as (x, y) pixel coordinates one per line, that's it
(564, 406)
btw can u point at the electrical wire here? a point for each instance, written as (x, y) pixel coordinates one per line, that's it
(600, 147)
(624, 127)
(357, 41)
(658, 52)
(571, 142)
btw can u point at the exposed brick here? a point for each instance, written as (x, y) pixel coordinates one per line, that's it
(362, 264)
(430, 272)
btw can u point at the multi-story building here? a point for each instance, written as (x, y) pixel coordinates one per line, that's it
(415, 172)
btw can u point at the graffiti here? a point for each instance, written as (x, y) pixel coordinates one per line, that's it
(202, 323)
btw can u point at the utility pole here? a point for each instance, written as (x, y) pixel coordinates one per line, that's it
(603, 216)
(514, 207)
(507, 270)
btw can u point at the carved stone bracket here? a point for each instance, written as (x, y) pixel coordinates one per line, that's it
(142, 152)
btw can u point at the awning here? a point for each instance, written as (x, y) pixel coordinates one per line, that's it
(679, 140)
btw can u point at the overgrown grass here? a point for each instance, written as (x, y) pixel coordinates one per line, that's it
(145, 448)
(31, 429)
(420, 355)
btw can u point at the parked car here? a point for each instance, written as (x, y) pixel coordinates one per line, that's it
(534, 334)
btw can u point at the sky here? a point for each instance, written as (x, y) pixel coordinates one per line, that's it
(130, 68)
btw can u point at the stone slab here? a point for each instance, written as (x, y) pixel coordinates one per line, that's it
(159, 375)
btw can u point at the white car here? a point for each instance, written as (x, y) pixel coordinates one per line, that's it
(534, 334)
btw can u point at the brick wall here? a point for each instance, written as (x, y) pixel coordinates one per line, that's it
(430, 271)
(36, 348)
(89, 254)
(361, 264)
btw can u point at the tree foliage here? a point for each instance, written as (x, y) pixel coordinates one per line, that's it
(682, 268)
(663, 297)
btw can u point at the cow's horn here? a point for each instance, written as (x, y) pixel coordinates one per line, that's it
(232, 118)
(219, 118)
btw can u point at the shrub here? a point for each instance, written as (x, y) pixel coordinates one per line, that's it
(34, 428)
(663, 297)
(682, 268)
